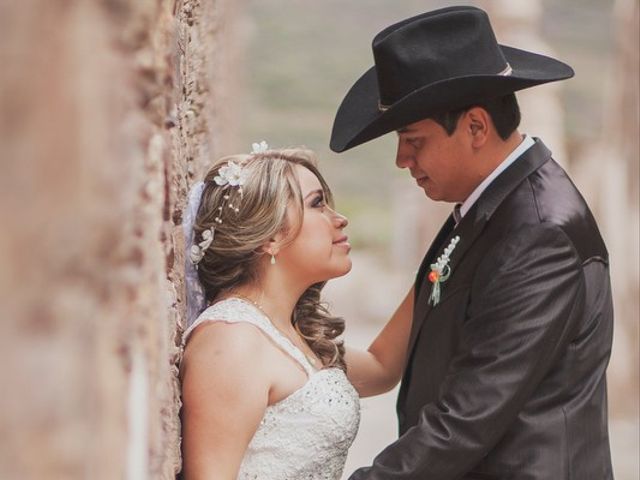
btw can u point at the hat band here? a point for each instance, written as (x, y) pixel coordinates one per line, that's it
(507, 71)
(504, 73)
(382, 107)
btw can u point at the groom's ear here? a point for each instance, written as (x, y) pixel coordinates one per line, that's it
(477, 123)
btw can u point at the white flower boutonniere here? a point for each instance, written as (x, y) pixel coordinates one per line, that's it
(440, 271)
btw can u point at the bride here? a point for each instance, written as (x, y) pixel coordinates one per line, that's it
(269, 391)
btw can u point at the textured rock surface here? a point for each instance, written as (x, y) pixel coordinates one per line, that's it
(107, 110)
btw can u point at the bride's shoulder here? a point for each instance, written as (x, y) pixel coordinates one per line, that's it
(225, 356)
(227, 318)
(227, 335)
(222, 366)
(220, 340)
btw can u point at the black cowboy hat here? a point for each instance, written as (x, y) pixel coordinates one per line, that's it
(432, 63)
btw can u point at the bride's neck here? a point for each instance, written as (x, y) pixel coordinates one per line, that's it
(276, 301)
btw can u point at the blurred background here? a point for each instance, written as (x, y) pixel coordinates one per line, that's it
(110, 110)
(301, 58)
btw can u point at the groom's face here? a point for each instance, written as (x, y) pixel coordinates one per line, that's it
(439, 163)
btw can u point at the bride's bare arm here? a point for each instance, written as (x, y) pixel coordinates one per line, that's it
(225, 394)
(379, 369)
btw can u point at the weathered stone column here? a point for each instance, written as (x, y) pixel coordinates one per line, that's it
(106, 111)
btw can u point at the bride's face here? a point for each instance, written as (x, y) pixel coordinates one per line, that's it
(320, 251)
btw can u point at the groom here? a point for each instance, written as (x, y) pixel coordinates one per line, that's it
(512, 322)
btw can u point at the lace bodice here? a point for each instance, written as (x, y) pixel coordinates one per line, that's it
(307, 434)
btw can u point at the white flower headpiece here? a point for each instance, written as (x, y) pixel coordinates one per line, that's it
(260, 147)
(230, 175)
(197, 251)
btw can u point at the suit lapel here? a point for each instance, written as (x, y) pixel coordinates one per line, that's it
(469, 229)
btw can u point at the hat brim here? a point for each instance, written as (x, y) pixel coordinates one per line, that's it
(359, 119)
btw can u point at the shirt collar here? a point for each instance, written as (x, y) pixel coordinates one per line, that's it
(526, 143)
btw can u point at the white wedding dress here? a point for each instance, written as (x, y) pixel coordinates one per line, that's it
(307, 434)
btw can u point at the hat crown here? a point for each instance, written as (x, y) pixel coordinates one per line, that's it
(439, 45)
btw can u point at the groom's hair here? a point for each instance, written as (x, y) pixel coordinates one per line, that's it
(504, 112)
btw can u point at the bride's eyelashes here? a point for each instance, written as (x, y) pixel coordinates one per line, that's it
(318, 201)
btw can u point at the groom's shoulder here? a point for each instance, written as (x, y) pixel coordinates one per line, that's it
(553, 202)
(560, 203)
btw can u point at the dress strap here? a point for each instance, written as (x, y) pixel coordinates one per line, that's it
(235, 310)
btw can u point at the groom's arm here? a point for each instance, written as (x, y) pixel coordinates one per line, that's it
(526, 297)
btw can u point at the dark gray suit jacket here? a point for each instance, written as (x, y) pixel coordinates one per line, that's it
(505, 376)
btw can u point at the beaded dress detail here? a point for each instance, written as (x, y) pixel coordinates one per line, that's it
(307, 434)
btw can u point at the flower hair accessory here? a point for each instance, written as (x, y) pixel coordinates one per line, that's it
(260, 147)
(197, 250)
(440, 271)
(230, 175)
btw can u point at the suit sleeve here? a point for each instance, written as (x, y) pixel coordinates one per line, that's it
(526, 297)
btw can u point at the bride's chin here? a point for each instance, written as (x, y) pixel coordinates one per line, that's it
(346, 269)
(337, 274)
(350, 265)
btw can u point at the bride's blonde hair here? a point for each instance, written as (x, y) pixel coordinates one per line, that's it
(233, 258)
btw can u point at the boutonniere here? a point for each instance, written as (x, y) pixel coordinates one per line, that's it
(440, 271)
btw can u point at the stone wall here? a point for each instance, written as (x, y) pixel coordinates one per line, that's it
(107, 111)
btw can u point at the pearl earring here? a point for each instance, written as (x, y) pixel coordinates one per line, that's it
(273, 259)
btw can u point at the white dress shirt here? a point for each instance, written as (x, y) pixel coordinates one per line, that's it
(526, 143)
